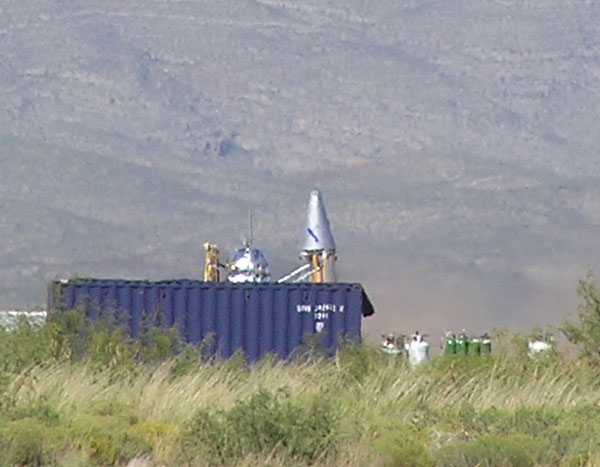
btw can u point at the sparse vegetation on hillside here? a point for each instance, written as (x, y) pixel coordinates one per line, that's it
(454, 144)
(78, 393)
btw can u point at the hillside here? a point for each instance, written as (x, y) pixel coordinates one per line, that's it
(455, 146)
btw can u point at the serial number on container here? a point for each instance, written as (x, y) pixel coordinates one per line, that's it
(320, 308)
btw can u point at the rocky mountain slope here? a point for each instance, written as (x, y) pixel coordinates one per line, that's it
(455, 144)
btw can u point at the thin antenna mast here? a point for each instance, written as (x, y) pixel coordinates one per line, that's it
(251, 233)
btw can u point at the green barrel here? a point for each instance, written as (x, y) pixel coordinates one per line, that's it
(462, 345)
(474, 347)
(486, 346)
(450, 345)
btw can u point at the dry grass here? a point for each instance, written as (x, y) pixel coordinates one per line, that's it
(444, 413)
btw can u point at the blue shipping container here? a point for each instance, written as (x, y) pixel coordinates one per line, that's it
(253, 318)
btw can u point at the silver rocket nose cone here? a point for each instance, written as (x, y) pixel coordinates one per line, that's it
(317, 233)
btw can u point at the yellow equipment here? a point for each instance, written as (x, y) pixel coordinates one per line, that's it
(211, 259)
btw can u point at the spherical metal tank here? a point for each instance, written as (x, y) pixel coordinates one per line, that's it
(248, 265)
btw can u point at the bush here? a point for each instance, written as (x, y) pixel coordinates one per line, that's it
(23, 443)
(497, 451)
(153, 432)
(264, 423)
(107, 439)
(40, 410)
(402, 445)
(73, 335)
(23, 347)
(585, 333)
(115, 409)
(356, 362)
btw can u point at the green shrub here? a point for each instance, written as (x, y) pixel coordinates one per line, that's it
(156, 344)
(532, 421)
(585, 333)
(40, 410)
(263, 423)
(402, 445)
(23, 347)
(496, 451)
(105, 343)
(188, 361)
(356, 363)
(115, 409)
(579, 460)
(577, 431)
(107, 439)
(152, 432)
(24, 443)
(236, 366)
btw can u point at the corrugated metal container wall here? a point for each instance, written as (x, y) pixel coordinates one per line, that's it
(254, 318)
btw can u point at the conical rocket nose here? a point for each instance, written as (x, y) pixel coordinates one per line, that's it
(317, 233)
